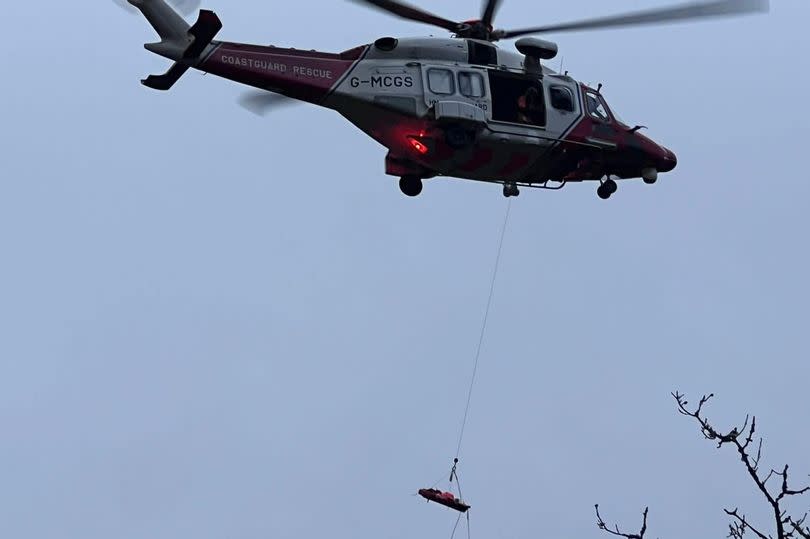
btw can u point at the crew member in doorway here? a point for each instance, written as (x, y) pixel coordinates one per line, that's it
(529, 106)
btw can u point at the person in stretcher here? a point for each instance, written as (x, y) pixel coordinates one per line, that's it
(444, 498)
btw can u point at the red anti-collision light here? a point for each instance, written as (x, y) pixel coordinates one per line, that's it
(418, 145)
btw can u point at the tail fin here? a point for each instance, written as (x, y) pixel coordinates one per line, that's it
(179, 42)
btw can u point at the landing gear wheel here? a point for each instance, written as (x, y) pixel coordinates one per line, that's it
(650, 181)
(607, 189)
(510, 190)
(603, 194)
(410, 185)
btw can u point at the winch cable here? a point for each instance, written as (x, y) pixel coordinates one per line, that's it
(453, 472)
(483, 329)
(455, 526)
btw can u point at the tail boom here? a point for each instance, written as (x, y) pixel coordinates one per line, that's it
(305, 75)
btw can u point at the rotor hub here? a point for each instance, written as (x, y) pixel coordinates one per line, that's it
(475, 29)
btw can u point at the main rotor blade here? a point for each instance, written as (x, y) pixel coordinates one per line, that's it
(260, 102)
(694, 10)
(489, 11)
(185, 7)
(411, 13)
(126, 6)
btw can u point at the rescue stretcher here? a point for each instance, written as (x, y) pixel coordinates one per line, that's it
(446, 499)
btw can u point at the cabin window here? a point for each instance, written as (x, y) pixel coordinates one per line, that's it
(471, 84)
(596, 106)
(562, 98)
(441, 81)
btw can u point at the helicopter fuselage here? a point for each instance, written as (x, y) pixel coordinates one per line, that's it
(456, 107)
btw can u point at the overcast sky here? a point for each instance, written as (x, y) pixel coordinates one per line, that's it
(214, 325)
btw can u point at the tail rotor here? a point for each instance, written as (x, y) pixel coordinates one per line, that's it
(262, 103)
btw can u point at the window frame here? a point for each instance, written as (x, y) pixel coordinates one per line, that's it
(450, 76)
(594, 115)
(570, 93)
(471, 75)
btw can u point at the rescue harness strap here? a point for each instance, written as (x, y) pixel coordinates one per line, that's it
(483, 330)
(454, 474)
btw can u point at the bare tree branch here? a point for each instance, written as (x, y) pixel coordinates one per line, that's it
(770, 474)
(800, 527)
(751, 432)
(785, 490)
(738, 528)
(600, 523)
(786, 526)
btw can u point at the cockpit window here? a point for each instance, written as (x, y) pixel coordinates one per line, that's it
(441, 81)
(596, 106)
(471, 84)
(562, 98)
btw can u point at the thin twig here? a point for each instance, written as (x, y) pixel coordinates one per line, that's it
(737, 529)
(600, 523)
(799, 526)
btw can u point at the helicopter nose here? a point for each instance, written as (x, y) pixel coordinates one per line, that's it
(668, 161)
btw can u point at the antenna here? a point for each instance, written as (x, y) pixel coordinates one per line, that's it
(562, 60)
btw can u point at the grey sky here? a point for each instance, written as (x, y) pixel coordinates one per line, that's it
(219, 326)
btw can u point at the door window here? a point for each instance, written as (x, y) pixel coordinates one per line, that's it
(471, 84)
(441, 81)
(562, 98)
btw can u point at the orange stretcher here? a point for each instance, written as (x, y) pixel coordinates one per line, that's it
(446, 499)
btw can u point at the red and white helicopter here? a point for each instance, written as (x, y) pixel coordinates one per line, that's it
(458, 106)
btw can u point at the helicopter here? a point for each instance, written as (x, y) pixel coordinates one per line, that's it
(458, 106)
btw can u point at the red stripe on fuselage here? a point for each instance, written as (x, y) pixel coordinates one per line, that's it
(516, 163)
(305, 75)
(482, 156)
